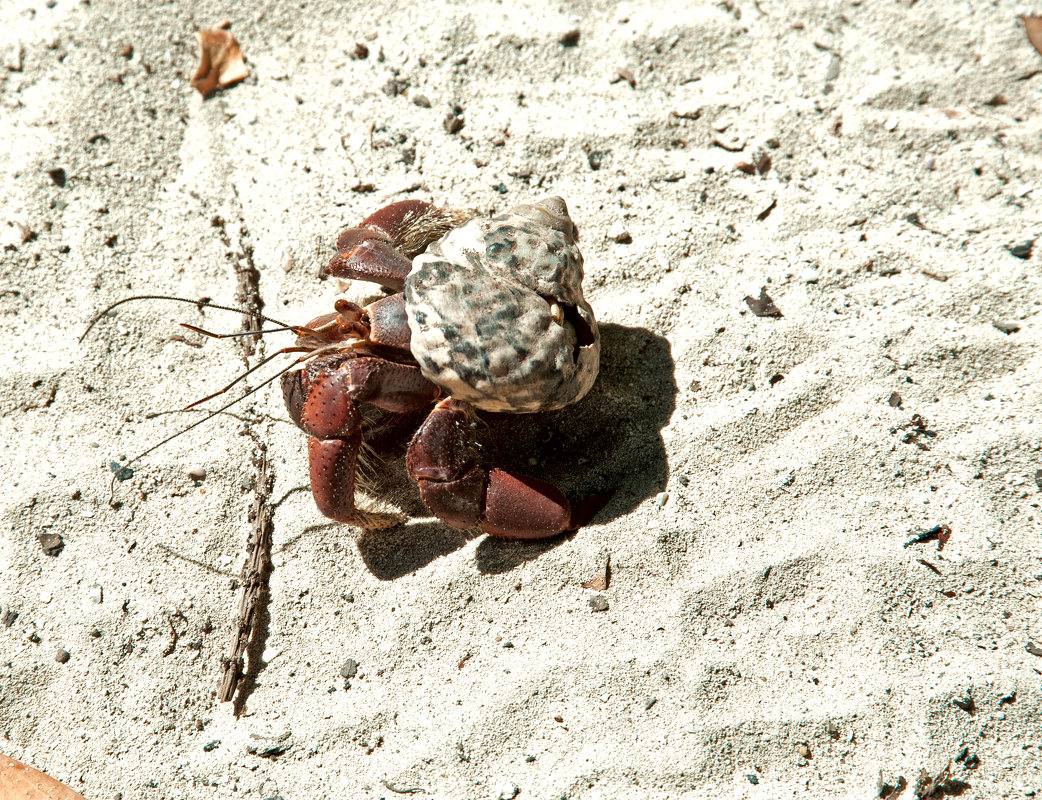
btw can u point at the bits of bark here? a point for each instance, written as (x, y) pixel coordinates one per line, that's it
(220, 61)
(601, 580)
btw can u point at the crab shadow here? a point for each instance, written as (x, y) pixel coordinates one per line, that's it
(609, 443)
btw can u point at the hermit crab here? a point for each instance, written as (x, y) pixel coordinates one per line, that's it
(486, 314)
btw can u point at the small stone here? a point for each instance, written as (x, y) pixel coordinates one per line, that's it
(51, 543)
(649, 703)
(96, 593)
(508, 645)
(599, 602)
(197, 473)
(8, 617)
(803, 750)
(895, 400)
(569, 38)
(752, 777)
(1021, 249)
(810, 276)
(62, 656)
(453, 122)
(127, 51)
(1038, 478)
(287, 261)
(661, 499)
(57, 176)
(360, 51)
(891, 124)
(620, 235)
(506, 791)
(349, 668)
(211, 745)
(1006, 327)
(421, 100)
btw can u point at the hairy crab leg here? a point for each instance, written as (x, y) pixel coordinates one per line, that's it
(464, 495)
(381, 248)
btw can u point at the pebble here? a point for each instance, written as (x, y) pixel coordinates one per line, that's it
(197, 473)
(569, 38)
(661, 499)
(421, 101)
(620, 235)
(62, 656)
(45, 596)
(506, 791)
(599, 602)
(51, 543)
(96, 593)
(349, 668)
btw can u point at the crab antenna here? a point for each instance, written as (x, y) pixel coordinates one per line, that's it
(199, 303)
(207, 418)
(244, 375)
(213, 335)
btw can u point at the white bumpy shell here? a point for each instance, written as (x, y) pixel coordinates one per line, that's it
(497, 314)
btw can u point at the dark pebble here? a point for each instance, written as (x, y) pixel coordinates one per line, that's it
(569, 38)
(1038, 478)
(212, 745)
(51, 543)
(349, 668)
(753, 778)
(57, 175)
(1022, 249)
(649, 703)
(62, 656)
(599, 602)
(895, 400)
(8, 617)
(1006, 327)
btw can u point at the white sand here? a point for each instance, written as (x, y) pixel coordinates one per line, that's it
(763, 602)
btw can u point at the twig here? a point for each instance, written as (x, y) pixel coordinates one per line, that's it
(255, 573)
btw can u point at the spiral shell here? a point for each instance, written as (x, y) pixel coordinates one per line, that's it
(497, 314)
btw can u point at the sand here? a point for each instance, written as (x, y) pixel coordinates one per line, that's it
(768, 630)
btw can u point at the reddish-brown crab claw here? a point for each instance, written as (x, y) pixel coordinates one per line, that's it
(487, 314)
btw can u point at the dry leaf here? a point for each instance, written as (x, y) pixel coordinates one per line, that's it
(600, 581)
(1033, 27)
(18, 780)
(220, 61)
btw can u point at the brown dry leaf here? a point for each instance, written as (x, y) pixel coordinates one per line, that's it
(1033, 28)
(19, 780)
(220, 61)
(600, 581)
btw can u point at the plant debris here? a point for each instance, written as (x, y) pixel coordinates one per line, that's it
(938, 533)
(599, 582)
(1033, 28)
(19, 780)
(762, 306)
(220, 61)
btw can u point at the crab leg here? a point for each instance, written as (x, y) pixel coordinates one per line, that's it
(381, 248)
(326, 408)
(463, 495)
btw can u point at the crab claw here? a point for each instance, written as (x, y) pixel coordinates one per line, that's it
(465, 495)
